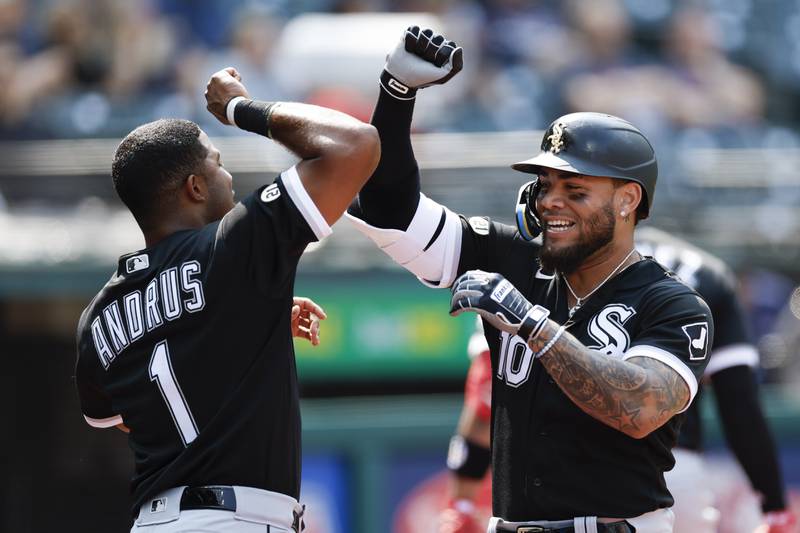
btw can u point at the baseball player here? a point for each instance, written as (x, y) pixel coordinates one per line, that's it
(189, 344)
(730, 371)
(595, 349)
(469, 454)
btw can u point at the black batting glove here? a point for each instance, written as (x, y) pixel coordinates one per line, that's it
(492, 296)
(420, 59)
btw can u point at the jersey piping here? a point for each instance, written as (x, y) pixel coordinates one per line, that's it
(304, 203)
(671, 361)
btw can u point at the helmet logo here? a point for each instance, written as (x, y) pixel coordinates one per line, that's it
(556, 138)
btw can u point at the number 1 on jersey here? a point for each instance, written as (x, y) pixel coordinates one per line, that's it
(161, 372)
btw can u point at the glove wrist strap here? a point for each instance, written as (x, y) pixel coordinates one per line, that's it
(533, 322)
(395, 87)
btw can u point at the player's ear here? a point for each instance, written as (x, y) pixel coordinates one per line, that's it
(196, 188)
(628, 196)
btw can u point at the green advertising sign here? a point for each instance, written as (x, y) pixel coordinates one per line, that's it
(385, 325)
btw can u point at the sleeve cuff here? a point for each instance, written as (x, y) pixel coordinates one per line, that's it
(304, 203)
(741, 354)
(430, 248)
(103, 422)
(671, 361)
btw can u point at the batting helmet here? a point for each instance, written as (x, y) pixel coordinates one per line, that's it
(591, 144)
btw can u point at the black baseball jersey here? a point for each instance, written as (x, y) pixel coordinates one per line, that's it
(189, 345)
(714, 281)
(551, 460)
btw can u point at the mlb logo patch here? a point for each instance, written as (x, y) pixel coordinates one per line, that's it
(698, 340)
(158, 505)
(137, 263)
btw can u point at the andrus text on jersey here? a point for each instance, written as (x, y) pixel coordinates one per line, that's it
(167, 296)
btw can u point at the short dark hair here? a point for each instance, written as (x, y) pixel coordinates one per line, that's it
(151, 163)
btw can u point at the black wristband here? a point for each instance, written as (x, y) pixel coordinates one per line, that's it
(254, 116)
(468, 459)
(533, 322)
(396, 88)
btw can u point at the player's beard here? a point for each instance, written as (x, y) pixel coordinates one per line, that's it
(599, 232)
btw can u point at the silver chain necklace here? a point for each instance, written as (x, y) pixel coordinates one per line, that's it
(580, 300)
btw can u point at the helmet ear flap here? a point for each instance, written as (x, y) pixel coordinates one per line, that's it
(527, 219)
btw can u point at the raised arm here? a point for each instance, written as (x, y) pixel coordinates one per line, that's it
(420, 59)
(412, 229)
(338, 153)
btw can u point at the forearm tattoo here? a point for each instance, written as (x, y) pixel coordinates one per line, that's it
(635, 396)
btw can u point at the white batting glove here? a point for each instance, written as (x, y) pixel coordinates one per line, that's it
(420, 59)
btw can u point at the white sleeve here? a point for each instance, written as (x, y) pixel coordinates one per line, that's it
(431, 246)
(304, 203)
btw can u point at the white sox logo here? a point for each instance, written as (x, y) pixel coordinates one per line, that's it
(556, 138)
(607, 329)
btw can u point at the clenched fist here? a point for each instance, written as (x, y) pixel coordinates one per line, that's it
(224, 85)
(420, 59)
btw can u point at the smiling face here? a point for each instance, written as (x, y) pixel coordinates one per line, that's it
(218, 180)
(577, 215)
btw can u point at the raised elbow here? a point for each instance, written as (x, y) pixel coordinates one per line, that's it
(366, 148)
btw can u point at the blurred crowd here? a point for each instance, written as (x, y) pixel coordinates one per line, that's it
(715, 72)
(690, 73)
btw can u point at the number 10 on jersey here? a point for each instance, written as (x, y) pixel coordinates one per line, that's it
(161, 372)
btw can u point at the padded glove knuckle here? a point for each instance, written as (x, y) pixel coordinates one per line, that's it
(443, 55)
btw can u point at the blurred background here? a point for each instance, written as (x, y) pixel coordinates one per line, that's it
(714, 84)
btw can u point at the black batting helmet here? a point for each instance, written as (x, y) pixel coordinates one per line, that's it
(592, 144)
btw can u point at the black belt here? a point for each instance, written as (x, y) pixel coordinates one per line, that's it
(531, 527)
(220, 498)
